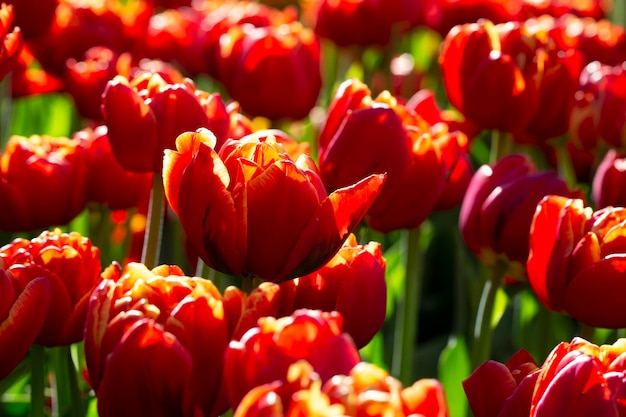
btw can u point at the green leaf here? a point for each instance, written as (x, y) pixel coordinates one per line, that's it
(374, 352)
(454, 367)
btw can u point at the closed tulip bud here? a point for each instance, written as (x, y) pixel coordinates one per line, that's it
(11, 41)
(23, 310)
(265, 352)
(154, 343)
(71, 268)
(581, 379)
(576, 260)
(609, 182)
(495, 389)
(41, 169)
(273, 72)
(498, 209)
(254, 210)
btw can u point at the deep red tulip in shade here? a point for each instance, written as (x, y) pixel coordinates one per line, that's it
(155, 342)
(599, 112)
(251, 210)
(362, 22)
(352, 283)
(366, 391)
(273, 72)
(576, 261)
(23, 310)
(609, 182)
(70, 265)
(28, 78)
(511, 77)
(265, 352)
(582, 379)
(145, 115)
(11, 41)
(108, 183)
(495, 389)
(498, 209)
(33, 25)
(363, 136)
(42, 182)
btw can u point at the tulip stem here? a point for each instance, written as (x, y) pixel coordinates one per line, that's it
(154, 226)
(69, 401)
(501, 145)
(483, 325)
(565, 166)
(407, 311)
(587, 332)
(37, 380)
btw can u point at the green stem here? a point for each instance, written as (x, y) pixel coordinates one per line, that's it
(587, 332)
(501, 145)
(69, 399)
(407, 311)
(565, 165)
(154, 227)
(483, 328)
(247, 284)
(37, 380)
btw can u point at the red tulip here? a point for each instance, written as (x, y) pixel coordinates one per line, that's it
(261, 213)
(502, 390)
(272, 72)
(363, 136)
(609, 186)
(576, 260)
(581, 379)
(41, 169)
(155, 342)
(71, 268)
(443, 15)
(265, 352)
(10, 40)
(498, 208)
(33, 25)
(23, 310)
(145, 115)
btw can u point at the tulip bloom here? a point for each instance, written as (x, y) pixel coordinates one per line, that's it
(23, 310)
(42, 181)
(363, 136)
(502, 390)
(71, 267)
(576, 261)
(11, 41)
(252, 211)
(609, 182)
(273, 72)
(498, 208)
(366, 391)
(146, 114)
(265, 352)
(582, 379)
(155, 342)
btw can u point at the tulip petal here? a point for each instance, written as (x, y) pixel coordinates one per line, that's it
(488, 402)
(595, 303)
(26, 317)
(332, 223)
(425, 397)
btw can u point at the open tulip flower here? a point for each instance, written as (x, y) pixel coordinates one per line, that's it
(144, 116)
(266, 351)
(155, 342)
(41, 168)
(23, 310)
(253, 211)
(366, 391)
(576, 260)
(70, 266)
(363, 136)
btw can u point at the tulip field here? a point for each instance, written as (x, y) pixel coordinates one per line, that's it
(313, 208)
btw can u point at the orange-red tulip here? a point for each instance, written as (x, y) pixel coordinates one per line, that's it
(42, 182)
(23, 310)
(11, 41)
(146, 114)
(502, 390)
(251, 210)
(155, 342)
(71, 267)
(577, 259)
(265, 352)
(363, 136)
(273, 72)
(582, 379)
